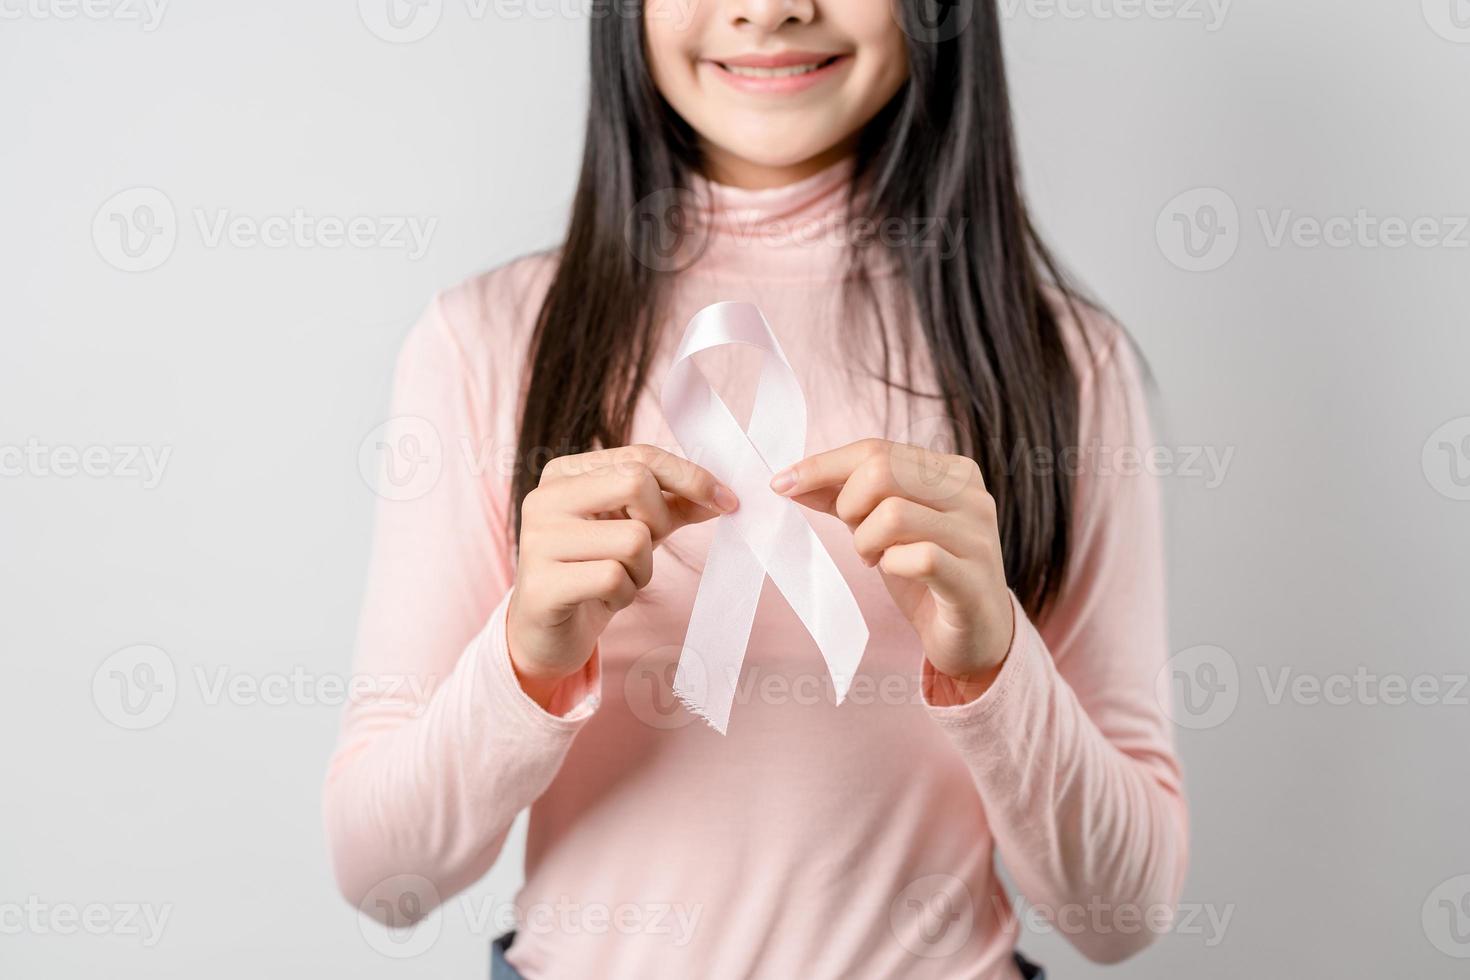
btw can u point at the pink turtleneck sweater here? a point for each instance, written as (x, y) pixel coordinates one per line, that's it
(812, 841)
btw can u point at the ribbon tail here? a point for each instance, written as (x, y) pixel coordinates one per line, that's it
(719, 628)
(810, 581)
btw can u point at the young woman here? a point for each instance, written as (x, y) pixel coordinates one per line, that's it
(849, 167)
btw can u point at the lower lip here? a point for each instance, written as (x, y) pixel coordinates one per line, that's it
(784, 84)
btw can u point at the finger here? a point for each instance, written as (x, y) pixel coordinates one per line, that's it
(944, 481)
(881, 469)
(823, 500)
(826, 470)
(683, 484)
(687, 512)
(941, 482)
(628, 542)
(630, 490)
(605, 581)
(927, 563)
(898, 521)
(674, 474)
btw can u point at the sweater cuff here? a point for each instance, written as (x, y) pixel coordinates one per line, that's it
(1016, 674)
(575, 700)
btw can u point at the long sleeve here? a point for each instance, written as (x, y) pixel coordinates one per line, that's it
(440, 747)
(1070, 748)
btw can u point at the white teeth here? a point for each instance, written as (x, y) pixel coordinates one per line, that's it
(750, 72)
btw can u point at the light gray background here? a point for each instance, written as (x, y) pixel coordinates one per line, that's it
(1329, 833)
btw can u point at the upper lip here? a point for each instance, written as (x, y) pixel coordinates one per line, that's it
(781, 59)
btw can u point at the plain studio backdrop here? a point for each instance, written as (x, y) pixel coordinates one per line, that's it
(219, 221)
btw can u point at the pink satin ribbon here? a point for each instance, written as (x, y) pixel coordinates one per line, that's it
(768, 535)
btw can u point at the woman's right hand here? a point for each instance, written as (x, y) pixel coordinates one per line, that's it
(588, 532)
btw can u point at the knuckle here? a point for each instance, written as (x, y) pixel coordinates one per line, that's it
(641, 457)
(625, 456)
(889, 515)
(531, 542)
(926, 559)
(631, 478)
(967, 470)
(634, 540)
(875, 468)
(643, 574)
(553, 469)
(699, 477)
(533, 505)
(688, 477)
(610, 578)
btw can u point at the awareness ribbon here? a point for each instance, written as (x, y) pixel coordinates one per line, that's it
(767, 535)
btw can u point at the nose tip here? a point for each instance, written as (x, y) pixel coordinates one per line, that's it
(771, 15)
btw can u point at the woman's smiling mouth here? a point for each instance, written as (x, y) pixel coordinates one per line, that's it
(782, 74)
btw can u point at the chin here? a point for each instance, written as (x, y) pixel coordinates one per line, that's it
(798, 144)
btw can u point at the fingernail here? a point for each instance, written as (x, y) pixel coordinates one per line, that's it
(783, 481)
(725, 500)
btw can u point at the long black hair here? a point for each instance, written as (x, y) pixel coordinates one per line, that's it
(942, 151)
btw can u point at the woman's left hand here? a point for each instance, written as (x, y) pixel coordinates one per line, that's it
(928, 523)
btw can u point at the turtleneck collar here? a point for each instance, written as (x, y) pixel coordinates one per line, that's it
(798, 231)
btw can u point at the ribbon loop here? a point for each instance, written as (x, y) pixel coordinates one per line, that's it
(768, 535)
